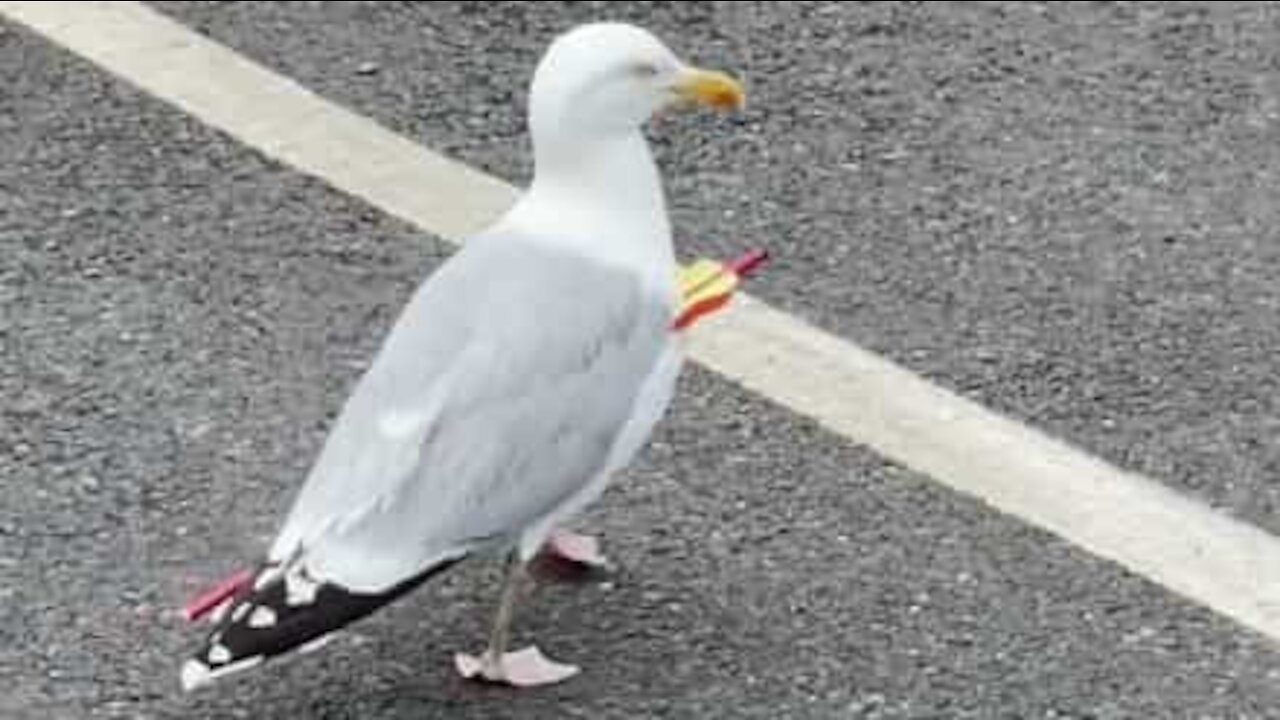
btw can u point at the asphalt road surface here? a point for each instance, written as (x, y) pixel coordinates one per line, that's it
(1060, 210)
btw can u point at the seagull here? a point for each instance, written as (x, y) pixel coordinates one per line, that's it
(522, 376)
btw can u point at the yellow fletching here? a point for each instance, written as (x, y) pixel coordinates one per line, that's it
(704, 280)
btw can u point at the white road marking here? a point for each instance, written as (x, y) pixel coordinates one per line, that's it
(1224, 564)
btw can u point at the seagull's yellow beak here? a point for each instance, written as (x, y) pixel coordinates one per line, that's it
(710, 88)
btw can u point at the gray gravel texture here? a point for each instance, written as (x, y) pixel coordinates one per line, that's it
(179, 318)
(1065, 211)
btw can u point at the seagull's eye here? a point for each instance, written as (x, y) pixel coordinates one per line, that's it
(644, 70)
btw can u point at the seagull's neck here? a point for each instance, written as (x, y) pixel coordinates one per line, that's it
(607, 196)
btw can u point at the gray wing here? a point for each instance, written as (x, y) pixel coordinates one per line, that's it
(498, 394)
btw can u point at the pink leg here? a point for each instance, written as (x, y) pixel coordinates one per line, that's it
(575, 548)
(523, 668)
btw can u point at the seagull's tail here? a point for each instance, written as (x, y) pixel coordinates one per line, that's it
(280, 610)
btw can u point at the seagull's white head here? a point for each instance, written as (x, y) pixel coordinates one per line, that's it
(607, 79)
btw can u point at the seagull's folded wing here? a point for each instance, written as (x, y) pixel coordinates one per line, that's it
(498, 394)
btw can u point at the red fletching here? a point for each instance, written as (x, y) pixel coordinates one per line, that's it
(205, 604)
(749, 261)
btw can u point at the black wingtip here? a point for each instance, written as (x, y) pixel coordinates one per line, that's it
(280, 611)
